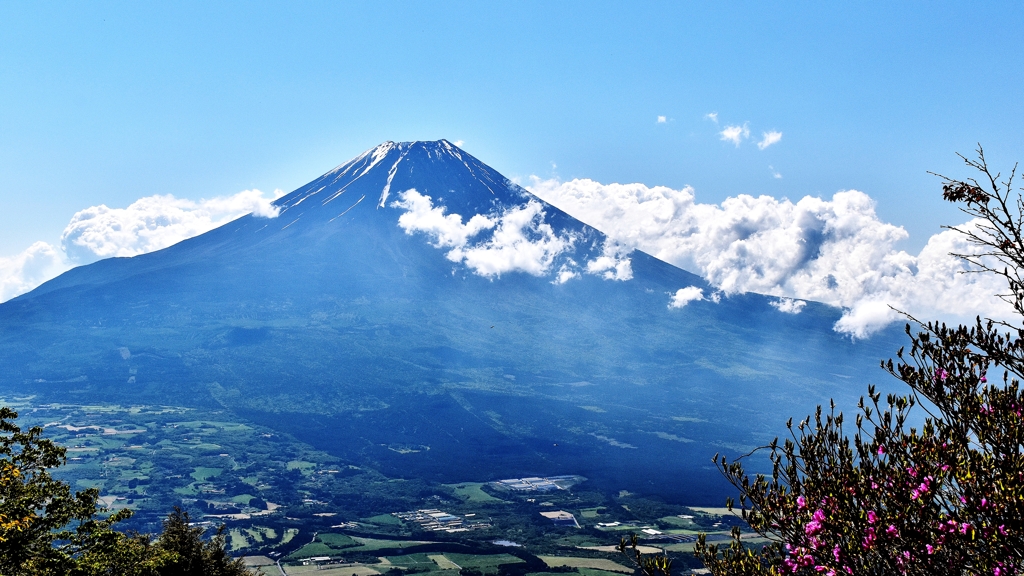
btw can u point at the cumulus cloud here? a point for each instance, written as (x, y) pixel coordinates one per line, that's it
(788, 305)
(684, 296)
(447, 230)
(713, 116)
(147, 224)
(833, 250)
(155, 222)
(613, 263)
(735, 134)
(521, 240)
(662, 119)
(33, 266)
(768, 139)
(566, 272)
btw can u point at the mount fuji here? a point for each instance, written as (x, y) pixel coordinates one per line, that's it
(415, 310)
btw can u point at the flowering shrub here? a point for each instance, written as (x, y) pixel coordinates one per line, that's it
(947, 498)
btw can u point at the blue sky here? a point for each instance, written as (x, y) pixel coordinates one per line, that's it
(106, 103)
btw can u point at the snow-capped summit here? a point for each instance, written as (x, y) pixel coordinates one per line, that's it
(439, 167)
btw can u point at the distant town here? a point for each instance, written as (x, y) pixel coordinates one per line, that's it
(537, 484)
(438, 521)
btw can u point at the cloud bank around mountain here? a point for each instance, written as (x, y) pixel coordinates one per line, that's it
(517, 239)
(154, 222)
(33, 266)
(833, 250)
(148, 224)
(521, 240)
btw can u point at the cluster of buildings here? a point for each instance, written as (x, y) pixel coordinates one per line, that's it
(537, 484)
(320, 561)
(438, 521)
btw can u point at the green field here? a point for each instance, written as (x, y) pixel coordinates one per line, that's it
(372, 544)
(384, 520)
(202, 473)
(327, 544)
(484, 563)
(337, 541)
(413, 561)
(471, 492)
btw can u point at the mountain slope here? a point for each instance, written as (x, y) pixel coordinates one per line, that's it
(415, 310)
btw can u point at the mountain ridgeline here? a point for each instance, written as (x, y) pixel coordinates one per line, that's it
(416, 311)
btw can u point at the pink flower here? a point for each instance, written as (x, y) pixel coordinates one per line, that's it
(929, 548)
(881, 450)
(836, 553)
(801, 502)
(812, 527)
(869, 539)
(892, 531)
(872, 517)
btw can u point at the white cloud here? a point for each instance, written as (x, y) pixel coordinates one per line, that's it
(684, 296)
(566, 272)
(148, 224)
(769, 138)
(662, 119)
(613, 263)
(735, 134)
(775, 173)
(458, 143)
(447, 230)
(713, 116)
(788, 305)
(33, 266)
(154, 222)
(833, 250)
(521, 242)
